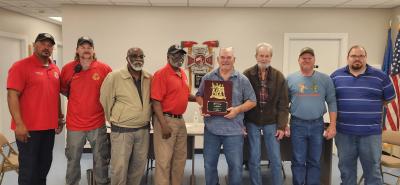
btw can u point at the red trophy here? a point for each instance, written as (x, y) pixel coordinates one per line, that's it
(217, 97)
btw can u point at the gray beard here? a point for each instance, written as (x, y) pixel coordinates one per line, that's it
(263, 66)
(136, 68)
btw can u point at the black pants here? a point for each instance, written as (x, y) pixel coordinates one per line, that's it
(35, 157)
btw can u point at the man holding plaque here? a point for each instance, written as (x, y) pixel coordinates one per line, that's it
(269, 116)
(170, 94)
(225, 95)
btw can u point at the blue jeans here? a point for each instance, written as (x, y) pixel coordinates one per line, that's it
(233, 150)
(307, 141)
(368, 149)
(273, 151)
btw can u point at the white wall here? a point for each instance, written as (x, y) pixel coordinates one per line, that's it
(24, 25)
(115, 29)
(14, 29)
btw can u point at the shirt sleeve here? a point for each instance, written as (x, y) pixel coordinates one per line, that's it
(107, 95)
(16, 78)
(388, 89)
(158, 89)
(200, 90)
(64, 80)
(248, 91)
(330, 97)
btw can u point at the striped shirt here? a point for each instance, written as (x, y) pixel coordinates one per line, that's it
(360, 100)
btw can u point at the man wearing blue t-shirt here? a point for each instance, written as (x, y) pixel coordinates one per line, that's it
(361, 94)
(308, 92)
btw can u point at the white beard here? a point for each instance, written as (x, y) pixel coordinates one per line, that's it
(136, 68)
(263, 66)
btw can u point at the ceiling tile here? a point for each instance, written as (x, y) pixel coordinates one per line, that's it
(244, 3)
(23, 3)
(168, 1)
(207, 3)
(132, 3)
(324, 2)
(94, 2)
(129, 1)
(284, 3)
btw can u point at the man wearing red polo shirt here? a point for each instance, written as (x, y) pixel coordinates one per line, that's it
(33, 92)
(81, 80)
(170, 95)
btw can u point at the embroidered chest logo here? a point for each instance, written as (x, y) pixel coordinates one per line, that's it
(96, 76)
(56, 75)
(314, 86)
(302, 87)
(311, 90)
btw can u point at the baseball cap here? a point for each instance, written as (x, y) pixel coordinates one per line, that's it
(45, 36)
(175, 49)
(307, 50)
(84, 39)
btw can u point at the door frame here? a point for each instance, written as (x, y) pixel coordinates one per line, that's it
(289, 37)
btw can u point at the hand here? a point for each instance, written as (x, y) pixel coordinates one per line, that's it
(201, 111)
(166, 131)
(232, 112)
(330, 132)
(60, 127)
(287, 131)
(21, 133)
(279, 134)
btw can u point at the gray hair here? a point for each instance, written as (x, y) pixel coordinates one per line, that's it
(229, 49)
(264, 45)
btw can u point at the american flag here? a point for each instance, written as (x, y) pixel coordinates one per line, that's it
(392, 110)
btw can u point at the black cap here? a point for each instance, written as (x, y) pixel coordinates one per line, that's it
(83, 40)
(307, 50)
(175, 49)
(45, 36)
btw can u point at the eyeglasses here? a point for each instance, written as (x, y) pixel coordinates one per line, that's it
(358, 56)
(137, 56)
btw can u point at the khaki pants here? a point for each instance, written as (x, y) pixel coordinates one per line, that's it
(99, 143)
(170, 153)
(128, 156)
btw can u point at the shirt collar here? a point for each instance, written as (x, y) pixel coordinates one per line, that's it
(235, 73)
(367, 71)
(171, 70)
(37, 62)
(125, 73)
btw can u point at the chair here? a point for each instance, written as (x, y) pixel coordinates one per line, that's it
(389, 139)
(10, 157)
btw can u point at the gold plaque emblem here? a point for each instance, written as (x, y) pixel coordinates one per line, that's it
(218, 91)
(96, 76)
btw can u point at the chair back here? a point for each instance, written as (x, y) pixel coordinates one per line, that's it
(391, 137)
(3, 141)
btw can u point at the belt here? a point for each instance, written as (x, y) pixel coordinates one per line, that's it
(115, 128)
(179, 116)
(311, 120)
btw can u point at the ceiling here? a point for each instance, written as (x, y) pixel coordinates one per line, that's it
(43, 9)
